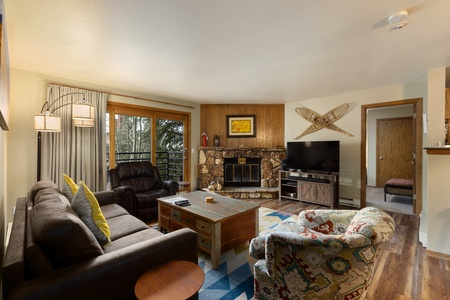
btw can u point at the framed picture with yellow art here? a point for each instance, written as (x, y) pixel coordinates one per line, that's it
(241, 126)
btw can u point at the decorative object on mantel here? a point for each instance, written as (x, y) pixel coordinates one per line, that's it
(204, 138)
(326, 121)
(216, 141)
(241, 126)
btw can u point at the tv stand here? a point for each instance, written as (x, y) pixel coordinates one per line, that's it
(311, 187)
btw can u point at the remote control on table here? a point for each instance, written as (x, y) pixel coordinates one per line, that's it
(181, 202)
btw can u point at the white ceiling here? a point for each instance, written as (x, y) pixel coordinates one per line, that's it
(229, 51)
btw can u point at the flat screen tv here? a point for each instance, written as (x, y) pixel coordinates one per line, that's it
(315, 156)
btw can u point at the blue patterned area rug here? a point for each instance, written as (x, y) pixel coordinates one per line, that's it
(234, 278)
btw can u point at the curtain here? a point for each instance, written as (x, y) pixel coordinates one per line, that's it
(80, 152)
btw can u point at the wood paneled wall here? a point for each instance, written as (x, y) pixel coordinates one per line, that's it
(269, 124)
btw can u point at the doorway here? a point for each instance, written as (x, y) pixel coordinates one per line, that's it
(416, 155)
(395, 148)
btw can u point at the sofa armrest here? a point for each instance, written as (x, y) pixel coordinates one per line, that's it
(112, 275)
(125, 197)
(171, 186)
(105, 197)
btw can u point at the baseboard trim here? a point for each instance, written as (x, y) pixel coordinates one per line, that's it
(437, 254)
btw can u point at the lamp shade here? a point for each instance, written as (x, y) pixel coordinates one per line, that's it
(82, 111)
(83, 122)
(46, 122)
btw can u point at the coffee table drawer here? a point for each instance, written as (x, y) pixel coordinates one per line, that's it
(174, 226)
(164, 222)
(165, 210)
(188, 220)
(204, 241)
(203, 226)
(175, 215)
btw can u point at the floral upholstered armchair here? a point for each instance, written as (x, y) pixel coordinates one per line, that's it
(327, 254)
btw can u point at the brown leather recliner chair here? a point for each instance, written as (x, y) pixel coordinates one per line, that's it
(145, 181)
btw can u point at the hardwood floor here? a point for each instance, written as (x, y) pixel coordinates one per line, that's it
(403, 271)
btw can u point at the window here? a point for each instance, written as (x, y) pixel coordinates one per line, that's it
(141, 133)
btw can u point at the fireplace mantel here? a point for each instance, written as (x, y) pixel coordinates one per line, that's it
(210, 163)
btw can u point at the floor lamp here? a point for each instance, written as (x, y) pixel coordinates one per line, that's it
(82, 115)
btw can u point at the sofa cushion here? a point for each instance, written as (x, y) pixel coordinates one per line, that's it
(38, 263)
(88, 209)
(148, 199)
(49, 194)
(125, 225)
(113, 210)
(139, 175)
(133, 239)
(63, 235)
(69, 187)
(42, 184)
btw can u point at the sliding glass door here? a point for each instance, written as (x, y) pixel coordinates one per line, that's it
(142, 134)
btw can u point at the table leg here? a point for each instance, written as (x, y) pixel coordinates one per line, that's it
(215, 245)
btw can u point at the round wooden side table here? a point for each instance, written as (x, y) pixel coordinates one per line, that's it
(177, 279)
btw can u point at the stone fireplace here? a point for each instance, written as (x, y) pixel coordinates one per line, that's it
(238, 177)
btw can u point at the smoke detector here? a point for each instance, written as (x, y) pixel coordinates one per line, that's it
(399, 25)
(398, 16)
(398, 19)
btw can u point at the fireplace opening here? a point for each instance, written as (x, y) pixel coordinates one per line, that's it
(242, 172)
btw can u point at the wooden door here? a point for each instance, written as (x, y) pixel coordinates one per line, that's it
(395, 148)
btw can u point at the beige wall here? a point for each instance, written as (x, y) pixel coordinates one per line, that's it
(4, 107)
(28, 93)
(350, 182)
(436, 219)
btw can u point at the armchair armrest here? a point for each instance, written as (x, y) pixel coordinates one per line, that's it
(171, 186)
(327, 221)
(258, 244)
(112, 275)
(125, 197)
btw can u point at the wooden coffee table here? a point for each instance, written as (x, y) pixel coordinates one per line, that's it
(220, 225)
(173, 280)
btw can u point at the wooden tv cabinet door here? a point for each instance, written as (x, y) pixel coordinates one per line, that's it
(316, 193)
(297, 185)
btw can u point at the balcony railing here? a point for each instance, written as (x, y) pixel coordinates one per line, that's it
(169, 163)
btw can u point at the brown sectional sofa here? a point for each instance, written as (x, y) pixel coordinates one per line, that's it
(53, 255)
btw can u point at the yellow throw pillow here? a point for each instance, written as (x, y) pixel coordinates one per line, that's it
(86, 206)
(69, 187)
